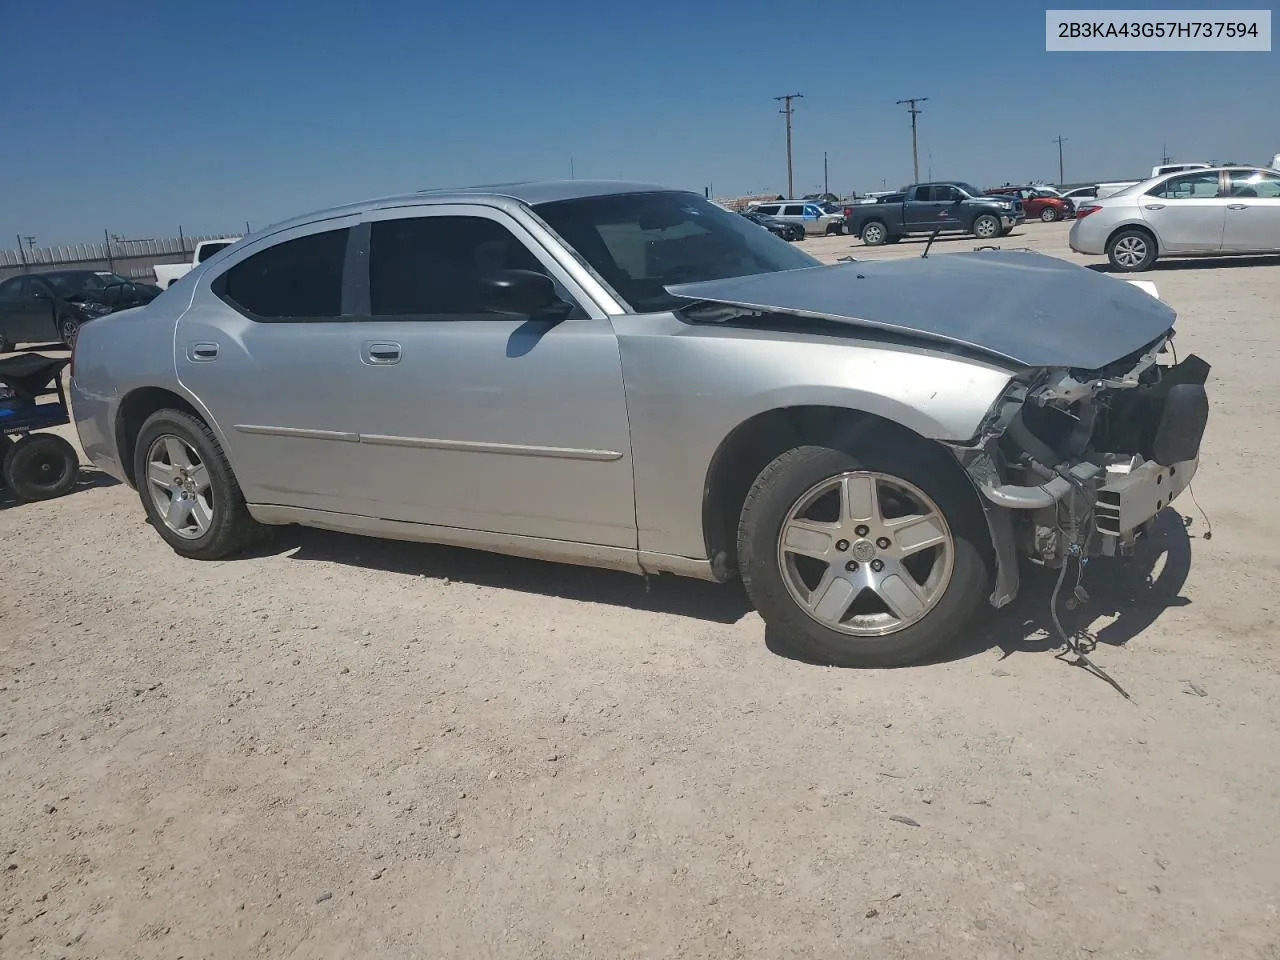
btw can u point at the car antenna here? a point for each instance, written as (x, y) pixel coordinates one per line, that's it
(932, 237)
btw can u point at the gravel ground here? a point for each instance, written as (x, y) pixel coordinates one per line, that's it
(340, 747)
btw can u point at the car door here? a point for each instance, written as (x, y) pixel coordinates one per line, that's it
(27, 311)
(1187, 212)
(1252, 219)
(794, 213)
(268, 347)
(479, 420)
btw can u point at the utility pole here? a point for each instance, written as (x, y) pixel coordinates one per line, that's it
(786, 110)
(914, 111)
(1062, 177)
(111, 263)
(1164, 154)
(826, 183)
(23, 254)
(571, 176)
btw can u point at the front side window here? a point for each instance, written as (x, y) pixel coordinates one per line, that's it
(295, 280)
(1253, 183)
(435, 265)
(1191, 186)
(11, 290)
(640, 243)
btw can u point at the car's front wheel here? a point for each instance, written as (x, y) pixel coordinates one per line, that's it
(187, 488)
(1132, 250)
(869, 560)
(69, 330)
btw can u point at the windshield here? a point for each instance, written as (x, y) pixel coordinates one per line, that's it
(640, 243)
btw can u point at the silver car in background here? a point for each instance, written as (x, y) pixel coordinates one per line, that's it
(1225, 210)
(624, 376)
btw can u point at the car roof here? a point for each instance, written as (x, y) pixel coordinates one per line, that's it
(530, 192)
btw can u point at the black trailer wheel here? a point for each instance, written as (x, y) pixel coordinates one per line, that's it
(40, 466)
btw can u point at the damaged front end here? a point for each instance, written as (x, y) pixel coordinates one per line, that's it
(1073, 464)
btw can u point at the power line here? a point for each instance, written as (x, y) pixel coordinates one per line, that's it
(914, 111)
(787, 110)
(1060, 140)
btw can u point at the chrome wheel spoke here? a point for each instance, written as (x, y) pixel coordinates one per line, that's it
(904, 597)
(201, 514)
(199, 477)
(860, 499)
(179, 513)
(910, 535)
(809, 538)
(176, 451)
(830, 599)
(161, 474)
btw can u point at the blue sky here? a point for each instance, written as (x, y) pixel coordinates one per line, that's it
(205, 115)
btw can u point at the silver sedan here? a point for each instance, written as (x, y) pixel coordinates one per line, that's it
(624, 376)
(1228, 210)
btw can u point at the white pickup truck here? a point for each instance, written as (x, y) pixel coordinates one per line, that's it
(168, 273)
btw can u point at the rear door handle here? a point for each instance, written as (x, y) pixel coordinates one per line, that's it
(380, 352)
(202, 352)
(1155, 206)
(1237, 206)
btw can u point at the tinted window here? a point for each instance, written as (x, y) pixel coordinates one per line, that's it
(209, 249)
(946, 194)
(295, 280)
(923, 193)
(1187, 187)
(1254, 183)
(641, 242)
(769, 209)
(434, 265)
(793, 210)
(11, 290)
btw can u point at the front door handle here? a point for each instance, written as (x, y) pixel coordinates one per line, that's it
(380, 352)
(1155, 206)
(1237, 206)
(202, 352)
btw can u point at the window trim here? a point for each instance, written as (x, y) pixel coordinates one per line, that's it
(218, 284)
(587, 308)
(1219, 195)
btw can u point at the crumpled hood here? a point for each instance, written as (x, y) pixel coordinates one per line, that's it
(1028, 308)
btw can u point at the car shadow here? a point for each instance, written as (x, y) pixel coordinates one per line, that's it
(681, 596)
(86, 479)
(1133, 591)
(1196, 263)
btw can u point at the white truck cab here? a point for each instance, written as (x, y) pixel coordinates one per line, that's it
(169, 273)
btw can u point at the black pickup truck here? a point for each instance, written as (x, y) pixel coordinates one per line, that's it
(924, 207)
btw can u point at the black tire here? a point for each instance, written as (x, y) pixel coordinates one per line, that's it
(5, 345)
(784, 481)
(985, 226)
(40, 466)
(68, 330)
(874, 233)
(5, 446)
(231, 528)
(1005, 231)
(893, 238)
(834, 229)
(1050, 215)
(1132, 250)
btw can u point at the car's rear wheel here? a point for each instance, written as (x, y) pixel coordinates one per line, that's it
(1132, 250)
(869, 560)
(69, 330)
(986, 227)
(874, 233)
(834, 229)
(1050, 214)
(187, 488)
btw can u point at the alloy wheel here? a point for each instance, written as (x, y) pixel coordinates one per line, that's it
(866, 554)
(180, 488)
(1130, 251)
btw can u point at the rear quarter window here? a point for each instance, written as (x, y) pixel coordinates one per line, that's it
(298, 279)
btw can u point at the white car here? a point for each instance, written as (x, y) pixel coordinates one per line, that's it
(1226, 210)
(167, 274)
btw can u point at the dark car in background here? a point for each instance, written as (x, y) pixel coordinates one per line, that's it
(785, 229)
(48, 307)
(946, 207)
(1046, 205)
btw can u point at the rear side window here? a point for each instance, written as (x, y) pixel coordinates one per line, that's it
(794, 210)
(1191, 186)
(296, 280)
(209, 249)
(770, 210)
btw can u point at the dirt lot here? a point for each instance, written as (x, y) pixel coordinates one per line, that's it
(345, 748)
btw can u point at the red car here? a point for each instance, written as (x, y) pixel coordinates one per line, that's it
(1038, 204)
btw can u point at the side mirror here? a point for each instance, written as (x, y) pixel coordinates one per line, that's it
(518, 292)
